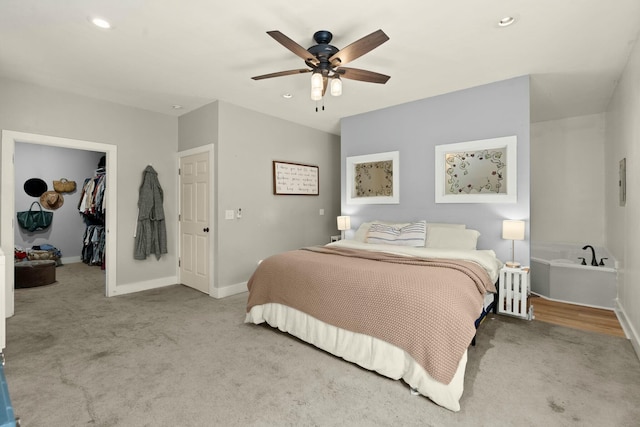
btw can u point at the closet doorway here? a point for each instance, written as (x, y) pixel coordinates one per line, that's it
(8, 209)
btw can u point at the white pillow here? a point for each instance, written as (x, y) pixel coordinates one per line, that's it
(445, 224)
(410, 235)
(452, 238)
(361, 233)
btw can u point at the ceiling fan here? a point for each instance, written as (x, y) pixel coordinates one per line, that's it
(325, 61)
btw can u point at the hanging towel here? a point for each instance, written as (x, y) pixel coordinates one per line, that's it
(151, 233)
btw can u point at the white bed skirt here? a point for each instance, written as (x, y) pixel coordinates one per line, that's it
(370, 353)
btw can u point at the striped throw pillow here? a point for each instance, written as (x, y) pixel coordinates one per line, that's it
(410, 235)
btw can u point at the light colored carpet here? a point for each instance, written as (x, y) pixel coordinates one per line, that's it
(175, 357)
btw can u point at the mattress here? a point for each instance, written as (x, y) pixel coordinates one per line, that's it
(370, 353)
(488, 300)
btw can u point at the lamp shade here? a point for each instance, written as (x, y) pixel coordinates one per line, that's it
(336, 86)
(344, 223)
(317, 85)
(316, 81)
(512, 229)
(316, 94)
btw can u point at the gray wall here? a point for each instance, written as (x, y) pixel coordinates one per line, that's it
(52, 163)
(142, 138)
(198, 127)
(623, 222)
(414, 129)
(573, 212)
(246, 143)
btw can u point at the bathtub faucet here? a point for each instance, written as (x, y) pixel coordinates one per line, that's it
(593, 255)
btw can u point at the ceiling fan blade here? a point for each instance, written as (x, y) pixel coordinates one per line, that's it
(325, 83)
(362, 75)
(282, 73)
(358, 48)
(293, 47)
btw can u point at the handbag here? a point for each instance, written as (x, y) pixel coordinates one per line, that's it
(64, 185)
(34, 220)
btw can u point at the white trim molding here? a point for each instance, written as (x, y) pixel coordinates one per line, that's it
(146, 285)
(627, 327)
(227, 291)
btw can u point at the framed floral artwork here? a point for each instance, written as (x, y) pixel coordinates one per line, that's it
(483, 171)
(373, 178)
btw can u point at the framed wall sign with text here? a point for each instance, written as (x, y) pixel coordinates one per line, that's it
(295, 178)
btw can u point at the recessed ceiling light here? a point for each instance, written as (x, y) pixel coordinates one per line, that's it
(287, 96)
(100, 23)
(506, 21)
(176, 106)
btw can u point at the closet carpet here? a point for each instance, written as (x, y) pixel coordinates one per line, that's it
(175, 357)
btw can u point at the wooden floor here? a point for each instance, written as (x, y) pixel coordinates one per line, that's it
(576, 316)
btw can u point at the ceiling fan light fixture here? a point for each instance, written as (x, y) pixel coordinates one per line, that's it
(336, 86)
(316, 81)
(316, 94)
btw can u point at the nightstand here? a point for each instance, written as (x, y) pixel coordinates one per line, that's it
(513, 293)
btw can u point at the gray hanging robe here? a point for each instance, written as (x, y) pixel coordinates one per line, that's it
(151, 233)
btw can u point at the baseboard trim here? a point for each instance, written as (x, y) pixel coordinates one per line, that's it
(628, 328)
(218, 293)
(578, 303)
(70, 260)
(227, 291)
(130, 288)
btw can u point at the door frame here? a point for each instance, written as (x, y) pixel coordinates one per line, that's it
(209, 148)
(7, 211)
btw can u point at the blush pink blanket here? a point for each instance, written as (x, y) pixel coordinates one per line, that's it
(425, 307)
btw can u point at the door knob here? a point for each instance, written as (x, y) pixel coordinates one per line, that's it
(206, 230)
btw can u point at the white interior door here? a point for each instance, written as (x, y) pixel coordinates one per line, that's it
(195, 231)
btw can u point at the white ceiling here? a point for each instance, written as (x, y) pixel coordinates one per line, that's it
(192, 52)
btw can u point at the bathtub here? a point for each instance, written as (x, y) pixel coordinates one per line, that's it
(557, 274)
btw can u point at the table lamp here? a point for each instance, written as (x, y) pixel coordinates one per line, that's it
(513, 230)
(344, 223)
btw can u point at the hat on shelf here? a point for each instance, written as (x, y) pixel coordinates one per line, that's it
(51, 200)
(35, 187)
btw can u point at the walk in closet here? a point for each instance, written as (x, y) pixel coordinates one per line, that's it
(69, 225)
(92, 207)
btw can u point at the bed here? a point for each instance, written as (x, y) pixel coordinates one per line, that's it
(397, 301)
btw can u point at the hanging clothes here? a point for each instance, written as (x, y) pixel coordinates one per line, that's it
(151, 233)
(92, 207)
(93, 245)
(92, 202)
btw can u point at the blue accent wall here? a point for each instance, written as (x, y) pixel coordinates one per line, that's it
(414, 129)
